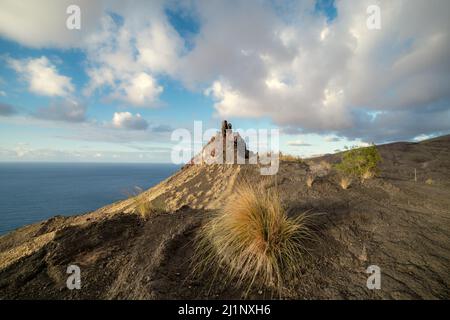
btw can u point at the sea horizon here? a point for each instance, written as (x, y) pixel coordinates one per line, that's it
(34, 191)
(87, 162)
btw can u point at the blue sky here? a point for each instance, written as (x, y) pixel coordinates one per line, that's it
(114, 90)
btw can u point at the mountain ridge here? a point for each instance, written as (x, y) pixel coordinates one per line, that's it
(391, 220)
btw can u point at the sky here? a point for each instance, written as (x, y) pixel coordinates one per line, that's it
(115, 89)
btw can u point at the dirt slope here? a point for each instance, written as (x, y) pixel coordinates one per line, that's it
(391, 221)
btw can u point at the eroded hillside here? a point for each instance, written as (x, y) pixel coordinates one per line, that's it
(392, 221)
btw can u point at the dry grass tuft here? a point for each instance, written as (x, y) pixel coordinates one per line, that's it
(143, 207)
(345, 182)
(290, 158)
(326, 166)
(429, 181)
(309, 181)
(369, 174)
(317, 170)
(320, 169)
(253, 240)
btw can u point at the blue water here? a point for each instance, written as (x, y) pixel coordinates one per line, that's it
(31, 192)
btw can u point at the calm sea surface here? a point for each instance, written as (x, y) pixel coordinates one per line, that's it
(31, 192)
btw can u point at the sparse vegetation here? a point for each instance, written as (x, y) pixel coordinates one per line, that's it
(320, 169)
(317, 170)
(368, 175)
(309, 181)
(360, 162)
(253, 240)
(326, 166)
(290, 158)
(143, 207)
(345, 182)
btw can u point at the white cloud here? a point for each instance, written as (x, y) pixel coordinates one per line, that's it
(43, 23)
(422, 137)
(21, 150)
(303, 72)
(362, 144)
(141, 89)
(124, 56)
(255, 59)
(42, 76)
(158, 47)
(126, 120)
(95, 132)
(127, 58)
(230, 102)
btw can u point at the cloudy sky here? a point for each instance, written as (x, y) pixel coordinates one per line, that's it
(115, 89)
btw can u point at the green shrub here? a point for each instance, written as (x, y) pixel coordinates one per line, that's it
(360, 162)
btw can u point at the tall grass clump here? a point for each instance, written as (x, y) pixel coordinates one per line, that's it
(345, 182)
(317, 170)
(252, 240)
(143, 206)
(309, 181)
(290, 158)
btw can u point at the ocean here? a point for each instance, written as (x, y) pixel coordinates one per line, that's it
(32, 192)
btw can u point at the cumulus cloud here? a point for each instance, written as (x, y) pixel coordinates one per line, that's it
(42, 76)
(127, 57)
(67, 111)
(261, 59)
(311, 75)
(126, 120)
(7, 110)
(43, 23)
(127, 44)
(403, 124)
(141, 89)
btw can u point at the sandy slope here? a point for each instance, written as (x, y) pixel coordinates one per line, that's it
(391, 221)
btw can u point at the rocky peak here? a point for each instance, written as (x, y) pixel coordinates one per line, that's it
(224, 141)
